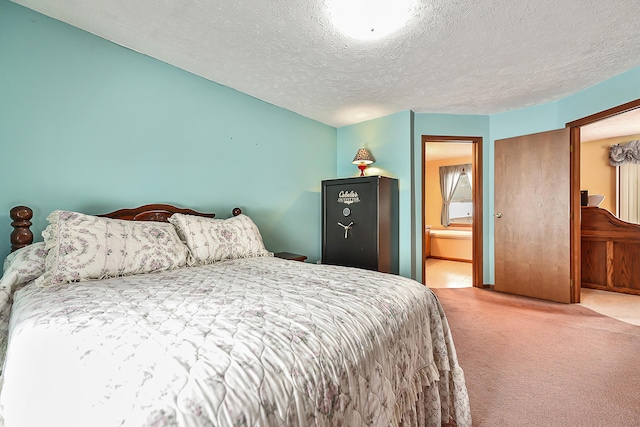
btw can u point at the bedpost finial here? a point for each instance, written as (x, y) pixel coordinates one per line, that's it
(21, 235)
(21, 213)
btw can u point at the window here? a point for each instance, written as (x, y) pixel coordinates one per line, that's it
(461, 206)
(457, 196)
(629, 192)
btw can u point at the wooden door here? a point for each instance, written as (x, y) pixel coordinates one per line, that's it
(532, 202)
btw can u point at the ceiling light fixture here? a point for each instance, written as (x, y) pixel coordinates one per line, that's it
(370, 19)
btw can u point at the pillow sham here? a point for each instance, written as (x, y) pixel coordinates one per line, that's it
(210, 240)
(26, 264)
(85, 247)
(20, 268)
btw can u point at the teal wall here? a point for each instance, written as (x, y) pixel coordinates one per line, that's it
(610, 93)
(387, 136)
(389, 140)
(539, 118)
(395, 141)
(91, 126)
(88, 125)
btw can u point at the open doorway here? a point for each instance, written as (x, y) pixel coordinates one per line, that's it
(452, 225)
(597, 176)
(608, 269)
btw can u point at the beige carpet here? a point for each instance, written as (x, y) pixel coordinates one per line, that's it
(613, 304)
(535, 363)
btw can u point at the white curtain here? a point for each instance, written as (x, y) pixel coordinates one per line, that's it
(449, 176)
(630, 192)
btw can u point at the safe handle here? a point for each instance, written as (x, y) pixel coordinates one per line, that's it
(346, 228)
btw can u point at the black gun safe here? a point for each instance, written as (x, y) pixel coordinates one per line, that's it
(360, 223)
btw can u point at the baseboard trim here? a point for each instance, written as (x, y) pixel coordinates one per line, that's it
(450, 259)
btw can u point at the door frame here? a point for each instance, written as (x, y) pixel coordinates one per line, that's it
(576, 259)
(476, 239)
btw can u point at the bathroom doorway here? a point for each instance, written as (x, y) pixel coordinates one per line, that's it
(452, 230)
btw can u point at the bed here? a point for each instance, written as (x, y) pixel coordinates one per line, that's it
(129, 320)
(610, 248)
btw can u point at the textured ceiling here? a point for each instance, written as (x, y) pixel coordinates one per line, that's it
(453, 56)
(626, 124)
(447, 150)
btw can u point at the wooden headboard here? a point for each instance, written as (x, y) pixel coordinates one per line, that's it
(610, 252)
(22, 235)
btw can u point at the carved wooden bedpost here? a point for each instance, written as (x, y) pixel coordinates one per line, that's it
(21, 235)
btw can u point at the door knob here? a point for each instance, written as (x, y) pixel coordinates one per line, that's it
(499, 215)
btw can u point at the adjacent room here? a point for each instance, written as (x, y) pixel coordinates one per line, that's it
(448, 213)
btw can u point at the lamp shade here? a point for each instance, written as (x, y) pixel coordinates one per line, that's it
(363, 157)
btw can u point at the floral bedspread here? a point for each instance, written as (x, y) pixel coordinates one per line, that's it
(248, 342)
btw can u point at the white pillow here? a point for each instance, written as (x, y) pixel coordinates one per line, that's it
(20, 267)
(85, 247)
(210, 240)
(26, 264)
